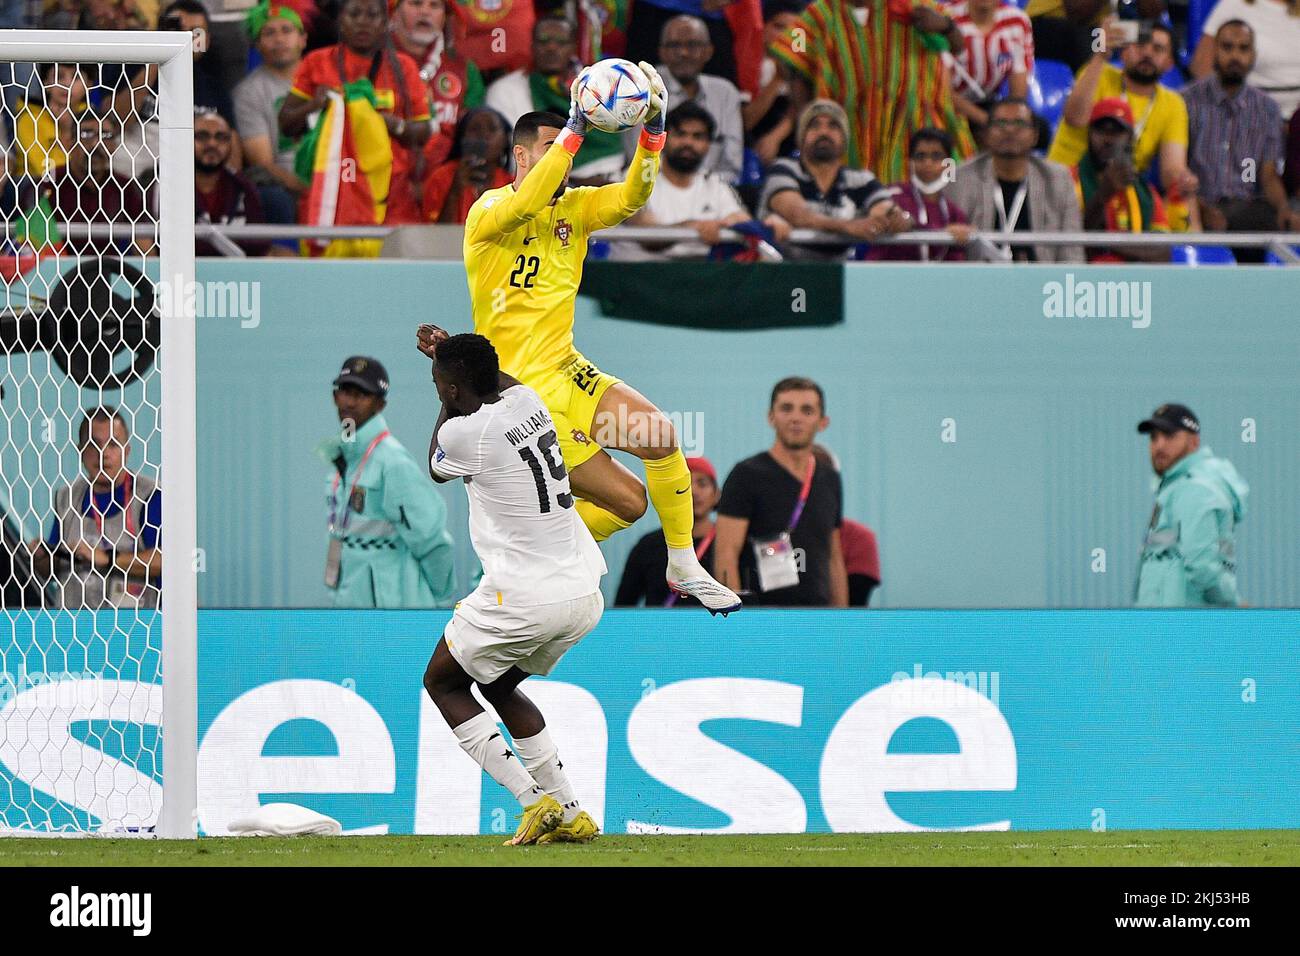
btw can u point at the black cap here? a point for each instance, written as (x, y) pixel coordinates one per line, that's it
(365, 373)
(1170, 419)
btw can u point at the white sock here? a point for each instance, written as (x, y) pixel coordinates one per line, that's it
(542, 760)
(481, 739)
(685, 560)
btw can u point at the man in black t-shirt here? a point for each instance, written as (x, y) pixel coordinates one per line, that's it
(643, 575)
(760, 505)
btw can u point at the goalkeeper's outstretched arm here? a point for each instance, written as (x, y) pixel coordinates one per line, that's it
(610, 205)
(531, 196)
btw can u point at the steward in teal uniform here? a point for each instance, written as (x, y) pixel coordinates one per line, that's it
(1189, 554)
(389, 546)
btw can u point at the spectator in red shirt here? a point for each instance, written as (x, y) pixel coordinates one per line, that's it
(477, 163)
(86, 190)
(495, 34)
(221, 196)
(861, 561)
(366, 50)
(421, 30)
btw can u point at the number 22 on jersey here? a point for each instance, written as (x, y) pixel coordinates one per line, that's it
(525, 271)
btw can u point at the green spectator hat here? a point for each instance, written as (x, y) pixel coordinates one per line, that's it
(265, 11)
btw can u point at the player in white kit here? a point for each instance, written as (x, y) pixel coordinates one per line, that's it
(540, 591)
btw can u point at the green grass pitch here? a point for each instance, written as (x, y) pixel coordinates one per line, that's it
(1021, 848)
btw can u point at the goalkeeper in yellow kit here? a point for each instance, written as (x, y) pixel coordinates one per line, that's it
(524, 248)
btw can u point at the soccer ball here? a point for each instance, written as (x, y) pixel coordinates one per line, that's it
(613, 94)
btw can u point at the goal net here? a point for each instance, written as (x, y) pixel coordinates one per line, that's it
(98, 680)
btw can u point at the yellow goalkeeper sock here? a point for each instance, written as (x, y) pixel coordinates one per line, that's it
(599, 522)
(668, 481)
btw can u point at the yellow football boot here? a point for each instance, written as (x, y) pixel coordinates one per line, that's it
(537, 820)
(581, 829)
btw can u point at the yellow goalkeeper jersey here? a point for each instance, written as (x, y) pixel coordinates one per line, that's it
(523, 255)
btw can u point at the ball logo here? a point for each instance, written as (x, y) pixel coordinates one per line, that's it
(613, 94)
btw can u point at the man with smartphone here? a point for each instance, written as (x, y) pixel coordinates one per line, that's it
(1159, 114)
(1112, 195)
(1066, 30)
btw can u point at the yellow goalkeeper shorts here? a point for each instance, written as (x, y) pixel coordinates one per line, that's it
(571, 396)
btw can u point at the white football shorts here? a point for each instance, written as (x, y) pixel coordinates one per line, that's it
(488, 638)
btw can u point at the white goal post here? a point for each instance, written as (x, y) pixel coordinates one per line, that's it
(172, 418)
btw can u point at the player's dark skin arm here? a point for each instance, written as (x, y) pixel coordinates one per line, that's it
(504, 382)
(427, 338)
(433, 445)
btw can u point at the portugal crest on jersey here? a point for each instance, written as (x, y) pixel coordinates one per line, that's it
(563, 231)
(447, 84)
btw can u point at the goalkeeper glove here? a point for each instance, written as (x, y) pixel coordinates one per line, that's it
(654, 117)
(577, 123)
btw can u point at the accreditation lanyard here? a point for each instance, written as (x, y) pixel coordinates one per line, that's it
(923, 217)
(701, 550)
(1007, 224)
(355, 478)
(127, 490)
(1141, 124)
(803, 495)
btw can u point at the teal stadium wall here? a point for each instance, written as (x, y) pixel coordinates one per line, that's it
(1046, 467)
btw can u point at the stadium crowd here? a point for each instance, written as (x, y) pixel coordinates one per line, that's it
(858, 118)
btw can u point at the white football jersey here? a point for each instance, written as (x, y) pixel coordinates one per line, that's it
(533, 546)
